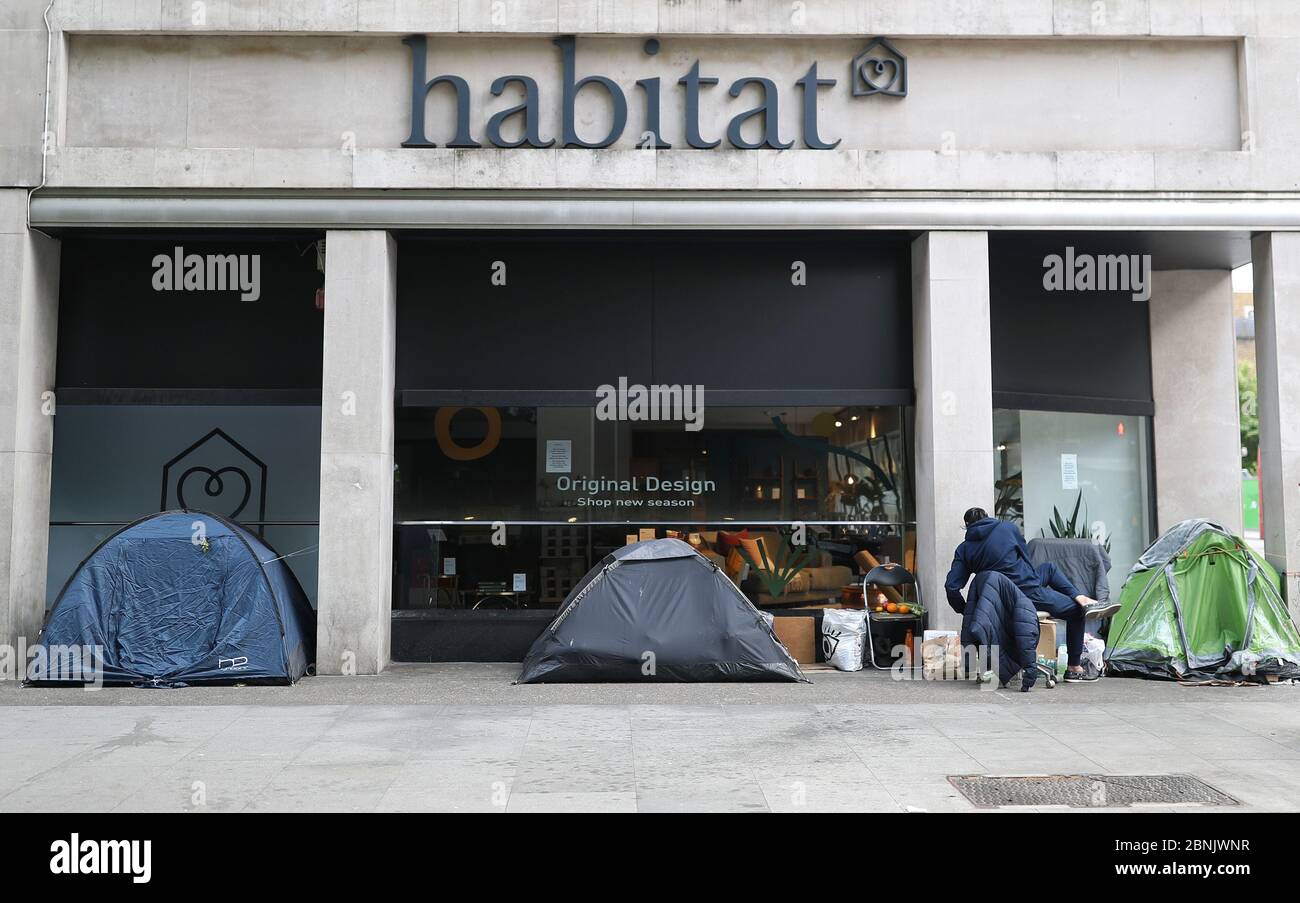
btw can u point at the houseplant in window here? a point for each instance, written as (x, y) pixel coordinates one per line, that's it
(776, 573)
(1009, 502)
(1075, 528)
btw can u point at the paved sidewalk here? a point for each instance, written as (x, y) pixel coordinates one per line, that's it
(462, 738)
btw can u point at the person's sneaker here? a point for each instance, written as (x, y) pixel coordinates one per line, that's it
(1087, 675)
(1101, 610)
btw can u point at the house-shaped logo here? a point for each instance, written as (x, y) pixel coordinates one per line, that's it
(879, 68)
(216, 474)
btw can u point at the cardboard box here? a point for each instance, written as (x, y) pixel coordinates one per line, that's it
(798, 634)
(941, 656)
(1047, 639)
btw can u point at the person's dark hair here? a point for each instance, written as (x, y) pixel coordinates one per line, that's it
(974, 514)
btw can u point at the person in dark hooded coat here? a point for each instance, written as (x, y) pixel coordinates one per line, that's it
(996, 545)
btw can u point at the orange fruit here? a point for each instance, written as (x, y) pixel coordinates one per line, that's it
(903, 609)
(892, 607)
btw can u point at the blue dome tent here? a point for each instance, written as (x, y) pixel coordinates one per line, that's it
(180, 598)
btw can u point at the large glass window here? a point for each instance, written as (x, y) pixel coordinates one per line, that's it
(1081, 475)
(258, 465)
(172, 395)
(507, 507)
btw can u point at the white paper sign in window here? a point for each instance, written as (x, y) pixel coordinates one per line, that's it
(1069, 471)
(559, 455)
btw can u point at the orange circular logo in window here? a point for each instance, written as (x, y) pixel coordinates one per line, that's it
(442, 431)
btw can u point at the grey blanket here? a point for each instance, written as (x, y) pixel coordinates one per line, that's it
(1084, 563)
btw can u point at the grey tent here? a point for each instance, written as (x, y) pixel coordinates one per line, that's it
(657, 611)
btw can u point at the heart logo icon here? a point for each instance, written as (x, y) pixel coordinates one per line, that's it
(214, 487)
(879, 75)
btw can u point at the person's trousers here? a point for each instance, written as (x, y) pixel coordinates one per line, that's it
(1056, 597)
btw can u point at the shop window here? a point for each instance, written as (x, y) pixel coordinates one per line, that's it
(258, 465)
(508, 507)
(1081, 475)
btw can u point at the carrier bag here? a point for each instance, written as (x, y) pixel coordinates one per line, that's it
(844, 638)
(1094, 650)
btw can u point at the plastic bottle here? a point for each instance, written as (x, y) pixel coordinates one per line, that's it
(1062, 660)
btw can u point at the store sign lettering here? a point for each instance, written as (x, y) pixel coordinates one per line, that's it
(636, 492)
(878, 69)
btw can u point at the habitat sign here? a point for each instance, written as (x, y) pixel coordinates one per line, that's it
(879, 68)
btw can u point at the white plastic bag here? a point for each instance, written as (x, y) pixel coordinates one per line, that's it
(844, 638)
(1093, 650)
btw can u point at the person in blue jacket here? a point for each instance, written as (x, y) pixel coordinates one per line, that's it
(996, 545)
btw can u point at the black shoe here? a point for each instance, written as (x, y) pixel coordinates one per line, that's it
(1087, 675)
(1101, 610)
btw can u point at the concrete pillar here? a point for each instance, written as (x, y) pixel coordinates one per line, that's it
(954, 400)
(354, 598)
(29, 306)
(1276, 259)
(1197, 431)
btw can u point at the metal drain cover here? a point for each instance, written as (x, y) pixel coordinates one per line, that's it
(1088, 791)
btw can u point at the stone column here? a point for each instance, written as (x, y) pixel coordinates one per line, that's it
(354, 599)
(1276, 259)
(954, 400)
(29, 308)
(1197, 431)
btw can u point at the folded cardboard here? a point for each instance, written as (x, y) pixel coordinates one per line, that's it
(1047, 639)
(799, 635)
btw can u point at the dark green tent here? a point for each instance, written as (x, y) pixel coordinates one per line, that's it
(1201, 604)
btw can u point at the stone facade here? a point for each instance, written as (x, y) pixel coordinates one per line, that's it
(1140, 113)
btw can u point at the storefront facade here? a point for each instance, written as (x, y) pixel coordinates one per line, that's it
(385, 283)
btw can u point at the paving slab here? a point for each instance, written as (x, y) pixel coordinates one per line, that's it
(463, 738)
